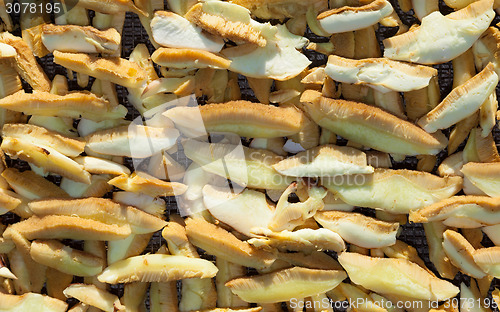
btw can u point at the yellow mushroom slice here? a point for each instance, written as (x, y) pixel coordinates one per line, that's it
(395, 276)
(9, 201)
(434, 232)
(111, 6)
(74, 105)
(31, 302)
(10, 82)
(451, 165)
(379, 73)
(84, 39)
(359, 229)
(460, 252)
(485, 49)
(285, 284)
(149, 204)
(315, 260)
(461, 212)
(96, 165)
(131, 246)
(348, 18)
(219, 242)
(483, 176)
(30, 185)
(157, 268)
(488, 260)
(140, 182)
(228, 271)
(371, 126)
(244, 166)
(279, 9)
(396, 191)
(95, 297)
(401, 250)
(98, 187)
(441, 38)
(189, 58)
(493, 233)
(99, 209)
(5, 272)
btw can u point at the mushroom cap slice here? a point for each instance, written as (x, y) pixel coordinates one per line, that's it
(325, 161)
(396, 191)
(31, 185)
(484, 176)
(348, 18)
(440, 38)
(157, 268)
(488, 259)
(493, 232)
(381, 74)
(31, 302)
(140, 182)
(460, 252)
(279, 9)
(189, 58)
(96, 165)
(174, 31)
(461, 212)
(395, 276)
(9, 201)
(286, 284)
(95, 297)
(486, 48)
(371, 126)
(111, 6)
(359, 229)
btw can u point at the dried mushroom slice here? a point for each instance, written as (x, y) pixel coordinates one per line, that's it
(157, 268)
(493, 233)
(315, 260)
(228, 271)
(189, 58)
(401, 250)
(349, 18)
(395, 276)
(359, 229)
(460, 252)
(461, 212)
(451, 165)
(428, 44)
(111, 6)
(10, 82)
(140, 182)
(95, 297)
(31, 185)
(483, 176)
(9, 201)
(280, 9)
(371, 126)
(488, 260)
(485, 49)
(96, 165)
(149, 204)
(396, 191)
(285, 284)
(434, 232)
(31, 302)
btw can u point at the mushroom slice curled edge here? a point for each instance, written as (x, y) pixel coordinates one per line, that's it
(31, 302)
(157, 268)
(396, 277)
(460, 252)
(483, 176)
(488, 259)
(286, 284)
(371, 126)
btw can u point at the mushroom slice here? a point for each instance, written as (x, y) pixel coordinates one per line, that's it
(440, 38)
(189, 58)
(349, 18)
(174, 31)
(371, 126)
(401, 250)
(45, 157)
(115, 69)
(157, 268)
(95, 297)
(285, 284)
(149, 204)
(461, 212)
(493, 233)
(462, 101)
(488, 260)
(65, 227)
(31, 185)
(242, 211)
(140, 182)
(99, 209)
(244, 166)
(434, 232)
(279, 9)
(380, 74)
(460, 252)
(65, 259)
(315, 260)
(96, 165)
(451, 165)
(9, 201)
(252, 120)
(10, 82)
(74, 105)
(219, 242)
(485, 49)
(111, 6)
(396, 277)
(27, 65)
(359, 229)
(325, 161)
(134, 140)
(396, 191)
(483, 176)
(31, 302)
(84, 39)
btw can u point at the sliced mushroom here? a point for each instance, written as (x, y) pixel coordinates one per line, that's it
(149, 204)
(9, 201)
(488, 260)
(189, 58)
(451, 165)
(10, 82)
(460, 252)
(96, 165)
(485, 49)
(434, 232)
(483, 176)
(401, 250)
(140, 182)
(228, 271)
(95, 297)
(30, 301)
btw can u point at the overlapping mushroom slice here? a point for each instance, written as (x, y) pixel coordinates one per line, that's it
(140, 182)
(493, 233)
(460, 252)
(31, 302)
(485, 49)
(359, 229)
(111, 6)
(371, 126)
(482, 178)
(189, 58)
(286, 284)
(31, 185)
(396, 191)
(461, 212)
(10, 82)
(396, 277)
(94, 297)
(441, 38)
(488, 260)
(279, 9)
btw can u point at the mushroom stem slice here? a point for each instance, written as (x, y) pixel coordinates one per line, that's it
(189, 58)
(488, 260)
(460, 252)
(280, 9)
(140, 182)
(95, 297)
(434, 232)
(31, 302)
(96, 165)
(483, 176)
(157, 268)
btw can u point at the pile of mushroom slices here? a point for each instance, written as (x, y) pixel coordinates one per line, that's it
(262, 185)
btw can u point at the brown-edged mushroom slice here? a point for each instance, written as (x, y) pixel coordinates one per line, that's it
(395, 276)
(10, 82)
(451, 165)
(30, 302)
(149, 204)
(434, 232)
(280, 9)
(460, 252)
(83, 39)
(9, 201)
(74, 105)
(162, 296)
(96, 165)
(349, 18)
(488, 260)
(189, 58)
(227, 272)
(370, 126)
(401, 250)
(485, 49)
(380, 74)
(219, 242)
(140, 182)
(427, 44)
(111, 6)
(396, 191)
(493, 232)
(157, 268)
(483, 176)
(359, 229)
(95, 297)
(285, 284)
(56, 282)
(461, 212)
